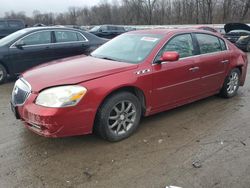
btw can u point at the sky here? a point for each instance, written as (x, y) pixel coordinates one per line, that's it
(29, 6)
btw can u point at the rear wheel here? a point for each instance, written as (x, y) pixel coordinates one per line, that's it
(3, 74)
(231, 84)
(118, 117)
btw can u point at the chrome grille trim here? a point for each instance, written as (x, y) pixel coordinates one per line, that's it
(21, 92)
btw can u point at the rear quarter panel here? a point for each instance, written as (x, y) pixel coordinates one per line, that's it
(238, 60)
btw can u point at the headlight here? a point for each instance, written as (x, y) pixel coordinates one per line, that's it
(62, 96)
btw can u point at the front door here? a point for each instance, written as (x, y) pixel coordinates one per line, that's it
(177, 81)
(35, 50)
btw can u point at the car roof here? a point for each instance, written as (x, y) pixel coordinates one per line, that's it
(168, 31)
(30, 29)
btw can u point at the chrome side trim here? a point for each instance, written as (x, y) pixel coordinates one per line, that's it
(166, 87)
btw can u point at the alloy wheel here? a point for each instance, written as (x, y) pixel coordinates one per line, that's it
(233, 83)
(1, 74)
(122, 117)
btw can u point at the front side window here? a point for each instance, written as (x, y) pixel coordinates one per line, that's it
(43, 37)
(183, 44)
(208, 43)
(66, 36)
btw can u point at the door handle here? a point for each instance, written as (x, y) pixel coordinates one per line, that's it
(193, 69)
(225, 61)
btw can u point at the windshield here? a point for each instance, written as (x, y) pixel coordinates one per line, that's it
(130, 48)
(94, 29)
(12, 37)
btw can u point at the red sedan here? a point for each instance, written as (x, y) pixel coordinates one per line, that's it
(136, 74)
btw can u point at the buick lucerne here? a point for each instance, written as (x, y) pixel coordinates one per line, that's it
(137, 74)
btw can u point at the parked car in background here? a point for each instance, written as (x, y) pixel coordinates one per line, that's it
(107, 31)
(137, 74)
(36, 45)
(244, 43)
(8, 26)
(234, 31)
(206, 28)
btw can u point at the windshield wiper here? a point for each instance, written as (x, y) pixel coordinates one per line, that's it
(103, 57)
(107, 58)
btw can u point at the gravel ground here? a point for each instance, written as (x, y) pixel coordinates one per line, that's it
(213, 133)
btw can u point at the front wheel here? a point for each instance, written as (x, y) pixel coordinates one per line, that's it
(3, 74)
(118, 117)
(231, 84)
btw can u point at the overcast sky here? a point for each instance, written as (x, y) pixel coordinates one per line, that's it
(42, 5)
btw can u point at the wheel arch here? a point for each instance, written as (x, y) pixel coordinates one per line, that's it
(132, 89)
(6, 67)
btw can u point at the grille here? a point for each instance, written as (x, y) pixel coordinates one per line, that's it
(21, 92)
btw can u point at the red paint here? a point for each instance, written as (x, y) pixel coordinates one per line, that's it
(166, 86)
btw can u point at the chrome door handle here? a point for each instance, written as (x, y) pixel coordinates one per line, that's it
(193, 69)
(225, 61)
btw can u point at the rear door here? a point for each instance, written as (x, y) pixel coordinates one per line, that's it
(177, 81)
(36, 50)
(69, 43)
(213, 61)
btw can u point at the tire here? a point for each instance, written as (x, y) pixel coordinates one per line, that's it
(118, 117)
(3, 74)
(231, 84)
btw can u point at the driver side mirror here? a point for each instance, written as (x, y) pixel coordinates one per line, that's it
(20, 44)
(169, 56)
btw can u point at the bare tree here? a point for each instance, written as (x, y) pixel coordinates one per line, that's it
(145, 12)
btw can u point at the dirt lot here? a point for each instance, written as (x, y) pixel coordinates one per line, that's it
(213, 132)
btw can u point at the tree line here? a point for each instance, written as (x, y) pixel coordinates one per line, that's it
(145, 12)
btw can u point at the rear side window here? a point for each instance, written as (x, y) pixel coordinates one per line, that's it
(66, 36)
(15, 24)
(183, 44)
(43, 37)
(223, 45)
(208, 43)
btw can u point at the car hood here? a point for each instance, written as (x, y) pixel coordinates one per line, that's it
(72, 71)
(236, 26)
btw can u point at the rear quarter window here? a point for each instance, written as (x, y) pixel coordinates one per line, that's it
(208, 43)
(223, 45)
